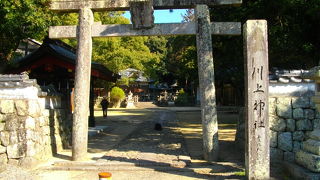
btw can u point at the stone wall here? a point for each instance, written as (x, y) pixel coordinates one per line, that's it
(291, 121)
(33, 128)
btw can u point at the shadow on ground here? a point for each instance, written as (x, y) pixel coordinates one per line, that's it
(160, 150)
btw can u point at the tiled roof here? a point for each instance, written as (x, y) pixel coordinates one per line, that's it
(16, 80)
(288, 76)
(63, 52)
(129, 72)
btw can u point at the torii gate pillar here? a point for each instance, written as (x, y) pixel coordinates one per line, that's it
(82, 86)
(206, 83)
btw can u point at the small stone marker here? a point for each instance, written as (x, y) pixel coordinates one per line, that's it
(256, 99)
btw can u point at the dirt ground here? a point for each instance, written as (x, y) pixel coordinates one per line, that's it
(231, 160)
(130, 148)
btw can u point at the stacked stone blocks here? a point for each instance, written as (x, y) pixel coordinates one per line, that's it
(30, 130)
(309, 155)
(291, 120)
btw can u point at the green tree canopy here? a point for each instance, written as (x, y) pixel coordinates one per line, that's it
(125, 52)
(21, 19)
(293, 26)
(119, 53)
(181, 61)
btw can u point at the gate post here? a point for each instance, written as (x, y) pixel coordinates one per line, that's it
(82, 86)
(206, 83)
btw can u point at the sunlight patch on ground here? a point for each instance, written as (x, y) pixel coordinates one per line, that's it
(191, 127)
(227, 126)
(126, 114)
(191, 130)
(185, 124)
(227, 134)
(120, 113)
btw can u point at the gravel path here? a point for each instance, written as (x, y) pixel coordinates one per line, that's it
(132, 149)
(148, 146)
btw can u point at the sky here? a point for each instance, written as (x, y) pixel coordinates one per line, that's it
(165, 16)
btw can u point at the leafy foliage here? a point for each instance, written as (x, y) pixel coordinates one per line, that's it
(124, 81)
(292, 36)
(293, 26)
(183, 99)
(125, 52)
(181, 60)
(157, 46)
(119, 53)
(32, 18)
(21, 19)
(117, 94)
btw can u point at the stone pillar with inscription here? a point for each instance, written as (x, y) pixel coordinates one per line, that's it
(82, 86)
(206, 83)
(256, 99)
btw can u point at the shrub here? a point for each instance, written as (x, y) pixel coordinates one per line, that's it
(183, 99)
(116, 96)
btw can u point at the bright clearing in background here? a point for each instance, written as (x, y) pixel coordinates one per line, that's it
(165, 16)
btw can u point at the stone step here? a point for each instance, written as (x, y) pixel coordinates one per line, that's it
(308, 160)
(298, 172)
(136, 163)
(315, 135)
(116, 166)
(122, 166)
(311, 146)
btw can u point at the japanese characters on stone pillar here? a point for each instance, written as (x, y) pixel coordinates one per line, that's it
(256, 99)
(206, 83)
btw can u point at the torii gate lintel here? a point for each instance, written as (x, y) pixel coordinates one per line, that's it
(121, 5)
(164, 29)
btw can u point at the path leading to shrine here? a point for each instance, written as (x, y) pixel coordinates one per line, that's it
(130, 148)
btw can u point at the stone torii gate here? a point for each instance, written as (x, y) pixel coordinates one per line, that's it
(143, 25)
